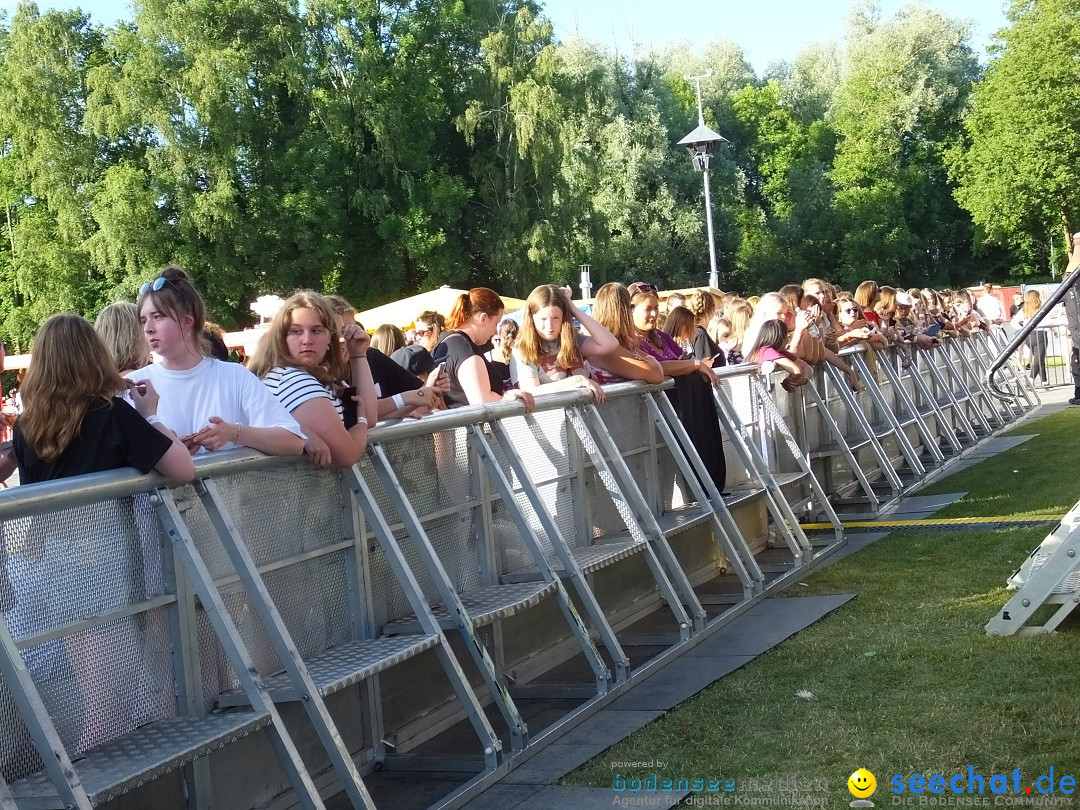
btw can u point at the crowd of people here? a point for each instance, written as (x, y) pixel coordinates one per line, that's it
(318, 380)
(150, 385)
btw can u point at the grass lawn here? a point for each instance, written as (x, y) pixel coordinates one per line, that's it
(902, 679)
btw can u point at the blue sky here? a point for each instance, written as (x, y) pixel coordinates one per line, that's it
(767, 30)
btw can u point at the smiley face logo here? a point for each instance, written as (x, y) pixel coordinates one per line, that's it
(862, 784)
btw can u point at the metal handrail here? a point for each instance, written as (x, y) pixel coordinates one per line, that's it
(1019, 338)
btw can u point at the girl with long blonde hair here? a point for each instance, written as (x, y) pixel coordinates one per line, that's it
(550, 355)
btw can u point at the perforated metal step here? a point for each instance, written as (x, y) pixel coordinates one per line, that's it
(742, 493)
(588, 558)
(482, 605)
(147, 753)
(834, 449)
(344, 665)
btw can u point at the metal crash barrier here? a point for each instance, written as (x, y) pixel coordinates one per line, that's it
(275, 633)
(1047, 584)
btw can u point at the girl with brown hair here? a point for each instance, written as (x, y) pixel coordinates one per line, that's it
(612, 310)
(209, 403)
(73, 420)
(692, 395)
(301, 363)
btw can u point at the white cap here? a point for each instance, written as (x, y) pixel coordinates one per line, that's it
(904, 300)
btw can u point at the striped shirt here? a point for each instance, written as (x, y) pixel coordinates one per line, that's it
(293, 387)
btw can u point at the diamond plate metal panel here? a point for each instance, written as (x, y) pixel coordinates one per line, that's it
(485, 605)
(152, 751)
(353, 661)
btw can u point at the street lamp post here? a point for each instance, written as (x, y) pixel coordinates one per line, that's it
(700, 144)
(586, 281)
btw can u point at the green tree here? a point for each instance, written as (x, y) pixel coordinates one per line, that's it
(897, 111)
(789, 231)
(48, 165)
(1017, 173)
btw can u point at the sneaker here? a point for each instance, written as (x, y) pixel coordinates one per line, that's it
(1074, 401)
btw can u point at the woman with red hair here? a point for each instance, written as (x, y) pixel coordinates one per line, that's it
(473, 321)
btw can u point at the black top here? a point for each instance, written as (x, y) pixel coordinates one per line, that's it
(113, 435)
(389, 377)
(705, 347)
(415, 359)
(454, 348)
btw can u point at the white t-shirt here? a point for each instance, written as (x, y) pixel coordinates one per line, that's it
(991, 308)
(547, 370)
(213, 388)
(294, 386)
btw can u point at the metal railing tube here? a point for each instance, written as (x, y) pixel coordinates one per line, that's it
(1018, 339)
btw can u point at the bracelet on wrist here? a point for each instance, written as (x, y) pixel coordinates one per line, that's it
(358, 356)
(154, 419)
(237, 442)
(362, 420)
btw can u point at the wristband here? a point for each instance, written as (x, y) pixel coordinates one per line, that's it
(697, 363)
(154, 419)
(362, 420)
(398, 400)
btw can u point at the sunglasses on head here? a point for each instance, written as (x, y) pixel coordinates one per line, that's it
(643, 287)
(154, 285)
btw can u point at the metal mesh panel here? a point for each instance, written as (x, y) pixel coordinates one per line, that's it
(626, 419)
(674, 492)
(434, 477)
(388, 601)
(75, 564)
(98, 685)
(607, 519)
(285, 512)
(455, 543)
(312, 597)
(543, 446)
(510, 548)
(434, 470)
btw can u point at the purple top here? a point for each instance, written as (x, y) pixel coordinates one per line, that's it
(669, 349)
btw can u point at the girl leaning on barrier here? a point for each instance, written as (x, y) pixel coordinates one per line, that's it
(74, 422)
(692, 395)
(612, 310)
(300, 361)
(210, 404)
(769, 345)
(549, 354)
(472, 323)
